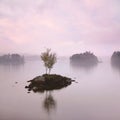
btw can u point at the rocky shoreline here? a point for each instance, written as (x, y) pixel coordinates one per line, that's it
(48, 82)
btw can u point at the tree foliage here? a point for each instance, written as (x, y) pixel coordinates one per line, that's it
(49, 59)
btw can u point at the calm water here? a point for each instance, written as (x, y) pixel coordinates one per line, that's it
(96, 96)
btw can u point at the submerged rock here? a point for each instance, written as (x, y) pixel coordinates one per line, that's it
(48, 82)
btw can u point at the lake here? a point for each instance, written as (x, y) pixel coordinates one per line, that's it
(96, 96)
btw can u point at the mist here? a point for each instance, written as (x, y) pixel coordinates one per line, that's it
(60, 59)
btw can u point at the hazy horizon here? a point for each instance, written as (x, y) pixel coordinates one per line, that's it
(67, 27)
(58, 56)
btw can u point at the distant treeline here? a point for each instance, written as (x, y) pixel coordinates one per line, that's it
(11, 58)
(84, 58)
(115, 59)
(116, 56)
(89, 59)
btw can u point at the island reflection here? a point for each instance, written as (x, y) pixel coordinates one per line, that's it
(47, 84)
(80, 66)
(49, 103)
(115, 66)
(86, 60)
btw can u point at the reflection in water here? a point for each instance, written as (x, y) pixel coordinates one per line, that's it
(86, 66)
(96, 97)
(15, 65)
(115, 65)
(49, 103)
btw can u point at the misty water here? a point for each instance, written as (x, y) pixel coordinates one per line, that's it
(96, 96)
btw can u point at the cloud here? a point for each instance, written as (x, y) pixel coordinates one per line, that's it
(72, 25)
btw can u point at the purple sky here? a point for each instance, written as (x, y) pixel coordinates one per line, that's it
(65, 26)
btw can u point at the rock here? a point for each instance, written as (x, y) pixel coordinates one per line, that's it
(48, 82)
(26, 87)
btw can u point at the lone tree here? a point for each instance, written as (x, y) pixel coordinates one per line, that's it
(49, 59)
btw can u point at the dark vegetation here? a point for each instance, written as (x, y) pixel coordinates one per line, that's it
(115, 59)
(48, 82)
(11, 59)
(84, 59)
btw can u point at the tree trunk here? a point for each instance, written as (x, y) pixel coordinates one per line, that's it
(49, 70)
(46, 70)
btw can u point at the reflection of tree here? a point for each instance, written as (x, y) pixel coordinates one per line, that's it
(115, 65)
(49, 103)
(86, 66)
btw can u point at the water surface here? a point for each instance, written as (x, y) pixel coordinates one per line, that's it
(96, 96)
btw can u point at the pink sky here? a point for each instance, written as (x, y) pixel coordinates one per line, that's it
(65, 26)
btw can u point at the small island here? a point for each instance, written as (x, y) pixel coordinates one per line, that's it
(85, 59)
(11, 59)
(115, 59)
(48, 82)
